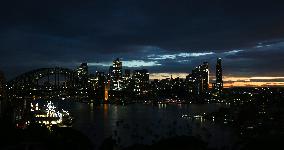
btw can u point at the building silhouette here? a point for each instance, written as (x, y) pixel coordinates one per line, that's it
(200, 79)
(100, 86)
(189, 83)
(141, 81)
(116, 75)
(127, 80)
(218, 85)
(82, 73)
(82, 70)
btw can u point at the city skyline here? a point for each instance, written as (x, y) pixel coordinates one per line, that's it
(141, 74)
(228, 81)
(165, 37)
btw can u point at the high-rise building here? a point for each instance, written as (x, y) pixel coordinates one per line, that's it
(218, 85)
(127, 79)
(205, 76)
(100, 83)
(141, 81)
(189, 83)
(200, 78)
(117, 69)
(83, 74)
(82, 70)
(116, 75)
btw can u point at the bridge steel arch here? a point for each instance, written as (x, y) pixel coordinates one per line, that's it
(31, 79)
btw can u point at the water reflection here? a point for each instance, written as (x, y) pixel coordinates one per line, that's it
(144, 124)
(92, 111)
(162, 106)
(91, 107)
(105, 106)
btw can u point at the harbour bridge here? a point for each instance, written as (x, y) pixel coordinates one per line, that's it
(45, 81)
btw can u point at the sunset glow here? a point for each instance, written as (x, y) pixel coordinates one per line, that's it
(231, 81)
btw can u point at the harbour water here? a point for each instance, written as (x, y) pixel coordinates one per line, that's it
(146, 124)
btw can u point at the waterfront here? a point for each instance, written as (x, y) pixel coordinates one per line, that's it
(146, 124)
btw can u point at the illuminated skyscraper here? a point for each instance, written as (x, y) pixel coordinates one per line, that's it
(126, 79)
(100, 83)
(205, 76)
(189, 83)
(218, 86)
(82, 70)
(116, 75)
(117, 69)
(141, 81)
(83, 74)
(200, 78)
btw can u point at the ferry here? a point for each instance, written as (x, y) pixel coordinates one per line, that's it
(50, 115)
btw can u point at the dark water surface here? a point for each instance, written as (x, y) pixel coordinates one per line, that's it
(145, 123)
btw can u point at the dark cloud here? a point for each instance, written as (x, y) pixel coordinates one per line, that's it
(65, 32)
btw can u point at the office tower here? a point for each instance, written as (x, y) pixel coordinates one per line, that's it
(126, 79)
(100, 83)
(82, 70)
(200, 78)
(83, 75)
(107, 89)
(141, 81)
(155, 85)
(189, 83)
(218, 86)
(205, 76)
(117, 69)
(116, 75)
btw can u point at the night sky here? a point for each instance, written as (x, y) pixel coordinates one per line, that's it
(164, 36)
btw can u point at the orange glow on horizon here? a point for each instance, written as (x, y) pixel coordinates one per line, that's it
(161, 76)
(253, 84)
(250, 81)
(231, 81)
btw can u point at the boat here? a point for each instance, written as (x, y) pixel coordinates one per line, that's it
(50, 115)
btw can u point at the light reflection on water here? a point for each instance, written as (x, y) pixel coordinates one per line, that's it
(145, 124)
